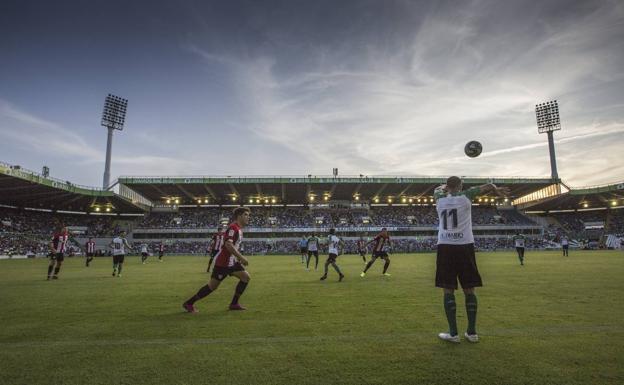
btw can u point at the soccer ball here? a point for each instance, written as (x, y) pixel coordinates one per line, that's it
(473, 149)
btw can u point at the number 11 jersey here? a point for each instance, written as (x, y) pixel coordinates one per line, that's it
(455, 216)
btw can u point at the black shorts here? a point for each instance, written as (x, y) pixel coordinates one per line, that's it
(220, 273)
(303, 250)
(90, 255)
(119, 258)
(362, 252)
(143, 254)
(519, 249)
(332, 257)
(457, 261)
(313, 252)
(160, 253)
(380, 254)
(57, 257)
(213, 253)
(565, 247)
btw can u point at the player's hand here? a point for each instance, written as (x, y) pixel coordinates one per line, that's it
(243, 261)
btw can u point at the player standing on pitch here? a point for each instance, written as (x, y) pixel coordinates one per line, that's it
(312, 247)
(228, 261)
(57, 250)
(334, 243)
(303, 248)
(215, 245)
(455, 256)
(119, 245)
(565, 245)
(161, 251)
(90, 249)
(361, 248)
(519, 241)
(382, 242)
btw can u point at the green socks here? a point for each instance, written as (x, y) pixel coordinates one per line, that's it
(450, 310)
(471, 312)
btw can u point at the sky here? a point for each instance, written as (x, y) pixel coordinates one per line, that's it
(374, 87)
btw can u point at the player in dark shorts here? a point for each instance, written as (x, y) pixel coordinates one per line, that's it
(215, 245)
(455, 255)
(303, 248)
(228, 261)
(333, 245)
(381, 241)
(57, 247)
(312, 247)
(90, 251)
(161, 251)
(361, 248)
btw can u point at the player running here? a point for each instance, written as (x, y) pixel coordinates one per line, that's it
(455, 255)
(303, 248)
(57, 247)
(119, 245)
(90, 251)
(161, 251)
(228, 261)
(215, 245)
(312, 246)
(361, 248)
(565, 245)
(382, 242)
(334, 243)
(144, 253)
(519, 241)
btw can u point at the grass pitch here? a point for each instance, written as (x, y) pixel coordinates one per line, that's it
(554, 321)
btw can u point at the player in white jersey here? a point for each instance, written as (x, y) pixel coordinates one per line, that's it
(312, 246)
(455, 256)
(119, 245)
(334, 244)
(519, 242)
(565, 245)
(144, 252)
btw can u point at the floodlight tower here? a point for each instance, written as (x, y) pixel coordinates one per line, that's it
(547, 122)
(113, 118)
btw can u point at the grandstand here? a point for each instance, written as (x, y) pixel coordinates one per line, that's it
(183, 212)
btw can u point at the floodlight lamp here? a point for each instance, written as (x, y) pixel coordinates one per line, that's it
(168, 201)
(108, 209)
(273, 200)
(97, 209)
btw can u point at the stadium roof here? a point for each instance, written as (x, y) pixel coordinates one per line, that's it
(28, 189)
(300, 189)
(596, 197)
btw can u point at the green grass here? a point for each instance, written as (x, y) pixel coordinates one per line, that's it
(554, 321)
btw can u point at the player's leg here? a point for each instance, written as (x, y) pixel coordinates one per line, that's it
(363, 255)
(120, 264)
(446, 278)
(57, 268)
(522, 249)
(244, 279)
(209, 264)
(469, 278)
(335, 266)
(316, 260)
(204, 291)
(308, 257)
(51, 265)
(386, 265)
(369, 264)
(326, 267)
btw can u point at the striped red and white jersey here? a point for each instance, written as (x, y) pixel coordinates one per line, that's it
(217, 241)
(361, 245)
(380, 242)
(90, 246)
(161, 247)
(234, 234)
(59, 241)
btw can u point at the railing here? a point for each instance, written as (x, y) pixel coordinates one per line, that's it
(20, 169)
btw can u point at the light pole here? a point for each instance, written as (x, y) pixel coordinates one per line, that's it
(113, 118)
(547, 115)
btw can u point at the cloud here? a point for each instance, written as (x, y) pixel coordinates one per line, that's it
(452, 79)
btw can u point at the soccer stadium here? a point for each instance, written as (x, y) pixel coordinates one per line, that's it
(216, 255)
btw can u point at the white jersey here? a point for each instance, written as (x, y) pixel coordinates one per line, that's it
(313, 244)
(564, 241)
(519, 241)
(144, 248)
(119, 246)
(455, 216)
(333, 242)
